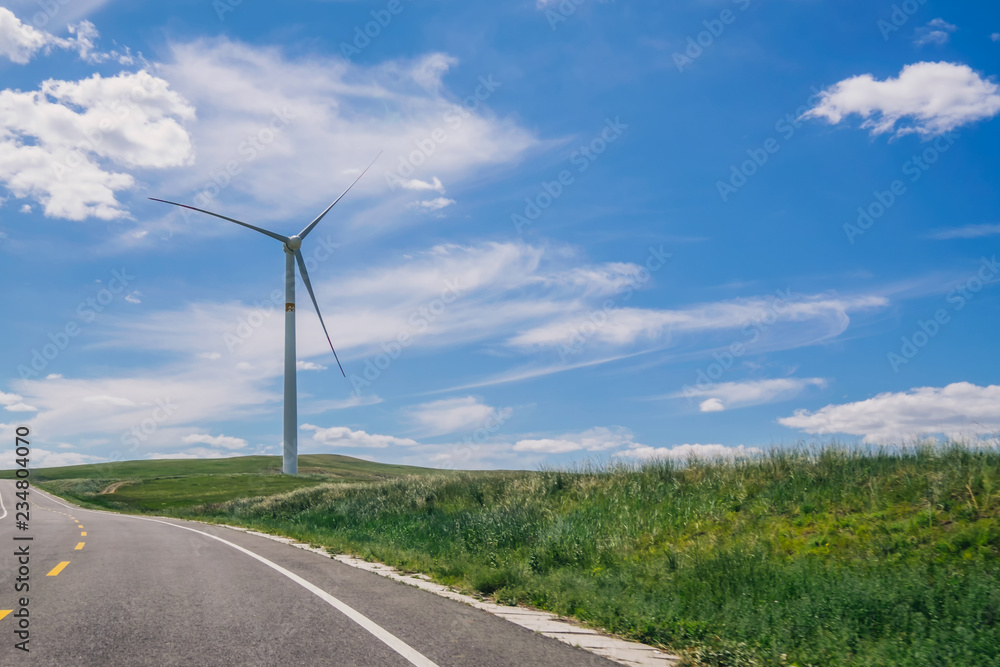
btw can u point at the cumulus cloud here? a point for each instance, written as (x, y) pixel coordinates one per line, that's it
(417, 184)
(15, 403)
(926, 98)
(593, 440)
(936, 32)
(957, 410)
(309, 366)
(686, 452)
(224, 441)
(56, 143)
(341, 436)
(454, 415)
(20, 42)
(727, 395)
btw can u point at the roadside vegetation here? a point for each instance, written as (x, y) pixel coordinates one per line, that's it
(821, 557)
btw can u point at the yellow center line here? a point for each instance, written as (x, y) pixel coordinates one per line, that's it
(79, 546)
(58, 568)
(4, 612)
(83, 534)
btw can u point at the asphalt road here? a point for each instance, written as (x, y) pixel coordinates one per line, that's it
(139, 591)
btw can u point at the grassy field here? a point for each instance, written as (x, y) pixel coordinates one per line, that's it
(165, 485)
(829, 557)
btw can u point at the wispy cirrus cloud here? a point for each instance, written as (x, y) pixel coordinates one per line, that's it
(728, 395)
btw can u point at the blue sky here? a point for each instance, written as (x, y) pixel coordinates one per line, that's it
(596, 229)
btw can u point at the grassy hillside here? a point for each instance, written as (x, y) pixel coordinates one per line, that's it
(824, 558)
(170, 484)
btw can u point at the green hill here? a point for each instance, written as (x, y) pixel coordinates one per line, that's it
(163, 485)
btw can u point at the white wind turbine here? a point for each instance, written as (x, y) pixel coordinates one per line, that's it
(293, 255)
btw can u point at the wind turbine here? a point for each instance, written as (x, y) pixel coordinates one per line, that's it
(293, 254)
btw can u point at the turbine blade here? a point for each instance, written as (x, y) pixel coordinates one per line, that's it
(315, 222)
(305, 279)
(283, 239)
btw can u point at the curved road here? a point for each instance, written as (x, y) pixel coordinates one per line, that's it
(144, 591)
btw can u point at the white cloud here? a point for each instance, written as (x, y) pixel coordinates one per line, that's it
(134, 297)
(712, 405)
(9, 399)
(454, 415)
(25, 208)
(341, 436)
(417, 184)
(936, 32)
(20, 407)
(957, 410)
(333, 113)
(44, 458)
(225, 441)
(20, 42)
(685, 452)
(593, 440)
(428, 205)
(210, 356)
(624, 326)
(966, 232)
(54, 141)
(108, 400)
(309, 366)
(728, 395)
(934, 97)
(995, 37)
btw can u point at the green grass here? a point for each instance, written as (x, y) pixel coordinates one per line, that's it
(161, 486)
(827, 557)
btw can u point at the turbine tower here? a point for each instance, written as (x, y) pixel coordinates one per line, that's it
(293, 254)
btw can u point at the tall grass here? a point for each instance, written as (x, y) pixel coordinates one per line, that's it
(822, 557)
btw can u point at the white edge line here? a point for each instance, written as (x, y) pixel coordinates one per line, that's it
(621, 651)
(383, 635)
(2, 507)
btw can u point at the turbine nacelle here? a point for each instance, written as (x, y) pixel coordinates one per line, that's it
(294, 242)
